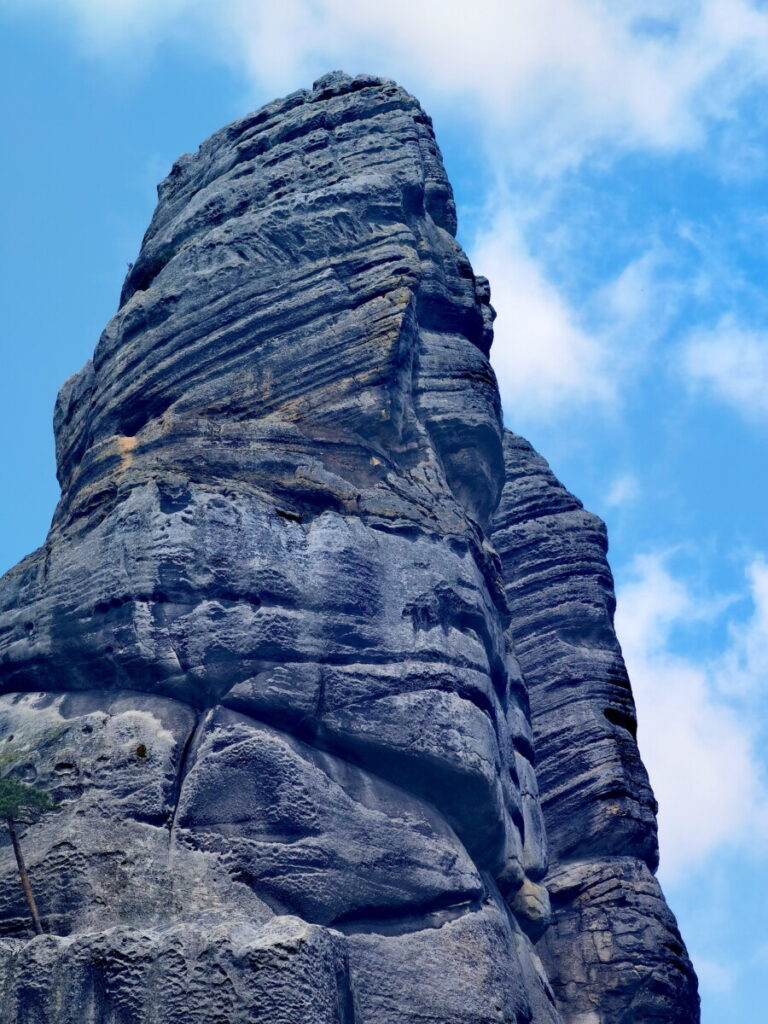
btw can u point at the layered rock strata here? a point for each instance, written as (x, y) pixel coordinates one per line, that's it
(265, 658)
(613, 952)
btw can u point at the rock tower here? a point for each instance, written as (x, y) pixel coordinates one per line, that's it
(318, 660)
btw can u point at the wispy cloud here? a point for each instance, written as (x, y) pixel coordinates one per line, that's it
(554, 354)
(723, 976)
(730, 362)
(545, 85)
(545, 361)
(743, 669)
(624, 489)
(557, 76)
(638, 305)
(713, 975)
(699, 744)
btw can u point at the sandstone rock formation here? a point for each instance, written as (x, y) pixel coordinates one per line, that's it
(268, 660)
(613, 951)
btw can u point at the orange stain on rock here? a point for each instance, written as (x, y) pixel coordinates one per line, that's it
(125, 448)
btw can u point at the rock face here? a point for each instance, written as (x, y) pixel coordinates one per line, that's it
(267, 660)
(613, 952)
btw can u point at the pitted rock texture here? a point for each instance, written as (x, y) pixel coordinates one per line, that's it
(613, 952)
(265, 658)
(286, 971)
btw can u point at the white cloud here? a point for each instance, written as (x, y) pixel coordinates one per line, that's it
(638, 307)
(642, 299)
(105, 23)
(543, 359)
(700, 748)
(731, 363)
(552, 356)
(543, 84)
(744, 666)
(714, 976)
(624, 489)
(556, 77)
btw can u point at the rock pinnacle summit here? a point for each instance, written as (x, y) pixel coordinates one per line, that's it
(317, 660)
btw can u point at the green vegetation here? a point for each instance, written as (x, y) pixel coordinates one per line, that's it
(15, 795)
(15, 798)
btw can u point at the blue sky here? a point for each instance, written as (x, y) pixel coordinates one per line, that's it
(610, 164)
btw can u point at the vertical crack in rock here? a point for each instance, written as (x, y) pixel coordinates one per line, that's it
(181, 772)
(265, 660)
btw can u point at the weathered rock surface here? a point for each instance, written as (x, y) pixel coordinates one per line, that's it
(264, 659)
(613, 952)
